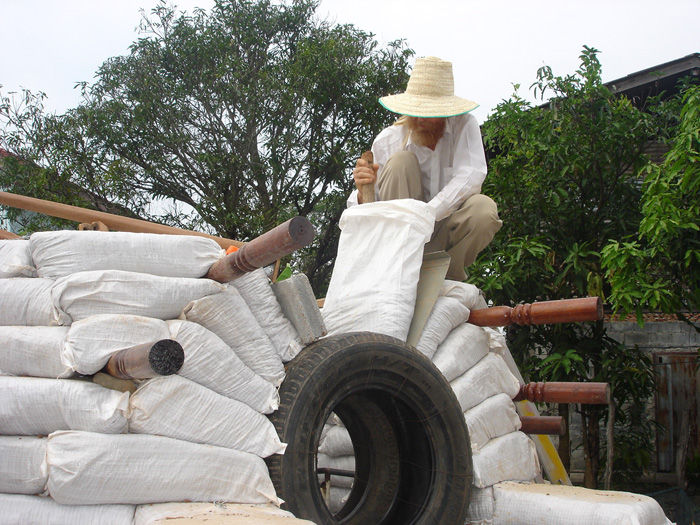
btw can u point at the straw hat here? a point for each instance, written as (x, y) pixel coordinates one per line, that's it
(430, 92)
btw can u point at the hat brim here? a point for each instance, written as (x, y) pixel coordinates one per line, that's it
(427, 107)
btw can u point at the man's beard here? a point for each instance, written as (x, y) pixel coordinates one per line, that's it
(426, 136)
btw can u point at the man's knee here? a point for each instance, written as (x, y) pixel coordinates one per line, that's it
(483, 213)
(400, 177)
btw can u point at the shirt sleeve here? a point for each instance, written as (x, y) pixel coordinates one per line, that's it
(469, 169)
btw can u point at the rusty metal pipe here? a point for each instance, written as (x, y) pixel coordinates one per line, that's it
(548, 425)
(545, 312)
(162, 358)
(560, 392)
(263, 250)
(113, 222)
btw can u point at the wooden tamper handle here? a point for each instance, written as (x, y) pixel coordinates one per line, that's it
(367, 190)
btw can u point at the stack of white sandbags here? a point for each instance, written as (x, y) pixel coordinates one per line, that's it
(335, 451)
(68, 301)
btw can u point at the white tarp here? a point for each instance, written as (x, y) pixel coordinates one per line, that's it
(60, 253)
(22, 465)
(380, 252)
(39, 406)
(211, 362)
(33, 351)
(492, 418)
(15, 259)
(22, 510)
(507, 458)
(527, 503)
(81, 295)
(85, 467)
(26, 301)
(176, 407)
(229, 317)
(447, 314)
(257, 292)
(462, 349)
(488, 377)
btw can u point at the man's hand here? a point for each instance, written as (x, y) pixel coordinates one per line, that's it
(364, 174)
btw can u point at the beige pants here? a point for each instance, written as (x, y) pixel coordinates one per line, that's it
(463, 234)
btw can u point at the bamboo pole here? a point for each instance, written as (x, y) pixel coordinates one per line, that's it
(113, 222)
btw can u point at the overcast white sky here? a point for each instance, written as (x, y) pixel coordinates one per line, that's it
(49, 45)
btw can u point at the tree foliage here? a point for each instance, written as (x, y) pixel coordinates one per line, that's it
(242, 117)
(562, 174)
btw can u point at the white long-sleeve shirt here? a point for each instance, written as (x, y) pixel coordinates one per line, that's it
(451, 173)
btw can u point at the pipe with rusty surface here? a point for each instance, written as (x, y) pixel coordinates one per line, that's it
(263, 250)
(560, 392)
(548, 425)
(545, 312)
(162, 358)
(113, 222)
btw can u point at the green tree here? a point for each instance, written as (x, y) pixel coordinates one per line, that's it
(657, 267)
(239, 119)
(562, 175)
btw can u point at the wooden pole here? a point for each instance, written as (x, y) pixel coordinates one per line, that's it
(5, 235)
(163, 358)
(266, 249)
(367, 190)
(113, 222)
(543, 425)
(545, 312)
(559, 392)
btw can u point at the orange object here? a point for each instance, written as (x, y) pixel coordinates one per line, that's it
(231, 249)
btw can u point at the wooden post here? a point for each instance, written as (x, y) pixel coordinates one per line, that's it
(266, 249)
(549, 425)
(113, 222)
(165, 357)
(545, 312)
(560, 392)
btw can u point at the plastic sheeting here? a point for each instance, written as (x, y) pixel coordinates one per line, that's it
(60, 253)
(84, 294)
(229, 317)
(22, 465)
(33, 351)
(255, 289)
(176, 407)
(38, 406)
(380, 252)
(89, 468)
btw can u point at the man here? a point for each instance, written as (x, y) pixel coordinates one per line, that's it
(434, 153)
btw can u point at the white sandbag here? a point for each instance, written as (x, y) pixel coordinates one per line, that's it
(228, 513)
(462, 349)
(176, 407)
(60, 253)
(497, 342)
(467, 294)
(488, 377)
(39, 406)
(15, 259)
(480, 511)
(337, 498)
(507, 458)
(493, 417)
(26, 301)
(229, 317)
(255, 289)
(22, 510)
(380, 252)
(336, 442)
(527, 503)
(92, 341)
(85, 467)
(337, 462)
(211, 363)
(22, 465)
(33, 351)
(447, 314)
(84, 294)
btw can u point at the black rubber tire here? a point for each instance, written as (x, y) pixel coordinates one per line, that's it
(412, 453)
